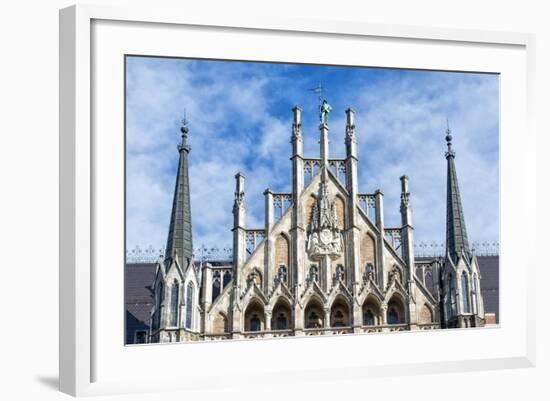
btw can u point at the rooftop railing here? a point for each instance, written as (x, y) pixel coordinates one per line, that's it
(434, 249)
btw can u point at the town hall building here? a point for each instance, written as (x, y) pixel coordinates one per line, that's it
(324, 262)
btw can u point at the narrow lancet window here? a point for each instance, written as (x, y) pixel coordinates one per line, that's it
(465, 293)
(226, 278)
(189, 307)
(216, 285)
(174, 303)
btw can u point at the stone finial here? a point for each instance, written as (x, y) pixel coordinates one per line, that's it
(297, 112)
(350, 117)
(184, 132)
(404, 184)
(239, 188)
(449, 138)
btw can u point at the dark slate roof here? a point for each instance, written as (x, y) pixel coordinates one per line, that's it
(139, 299)
(488, 266)
(457, 237)
(180, 238)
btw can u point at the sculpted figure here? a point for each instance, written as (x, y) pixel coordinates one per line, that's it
(324, 110)
(313, 243)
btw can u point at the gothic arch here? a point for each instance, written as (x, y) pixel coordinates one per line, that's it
(340, 290)
(189, 305)
(281, 317)
(216, 284)
(313, 291)
(314, 316)
(395, 313)
(340, 312)
(254, 316)
(174, 303)
(371, 315)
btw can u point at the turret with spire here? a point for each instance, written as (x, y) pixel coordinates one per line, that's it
(180, 237)
(461, 297)
(457, 237)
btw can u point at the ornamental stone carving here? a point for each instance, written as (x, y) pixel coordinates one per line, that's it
(324, 236)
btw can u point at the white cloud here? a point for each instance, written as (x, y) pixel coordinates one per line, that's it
(235, 125)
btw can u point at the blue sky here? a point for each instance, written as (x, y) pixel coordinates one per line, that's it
(240, 120)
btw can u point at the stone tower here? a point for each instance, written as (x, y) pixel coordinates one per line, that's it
(462, 301)
(176, 314)
(180, 236)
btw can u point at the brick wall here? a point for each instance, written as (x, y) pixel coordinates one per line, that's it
(340, 211)
(367, 250)
(308, 209)
(281, 251)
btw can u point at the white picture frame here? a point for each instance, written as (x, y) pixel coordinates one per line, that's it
(88, 355)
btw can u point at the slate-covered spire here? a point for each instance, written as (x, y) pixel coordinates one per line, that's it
(180, 237)
(457, 237)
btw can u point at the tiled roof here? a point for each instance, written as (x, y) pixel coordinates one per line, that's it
(488, 265)
(138, 297)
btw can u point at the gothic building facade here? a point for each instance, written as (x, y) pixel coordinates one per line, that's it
(324, 262)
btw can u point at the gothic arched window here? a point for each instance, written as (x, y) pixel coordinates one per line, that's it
(368, 318)
(216, 285)
(226, 278)
(281, 322)
(393, 316)
(465, 293)
(189, 306)
(255, 323)
(451, 296)
(174, 303)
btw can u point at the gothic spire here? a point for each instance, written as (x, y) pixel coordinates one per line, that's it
(180, 238)
(457, 237)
